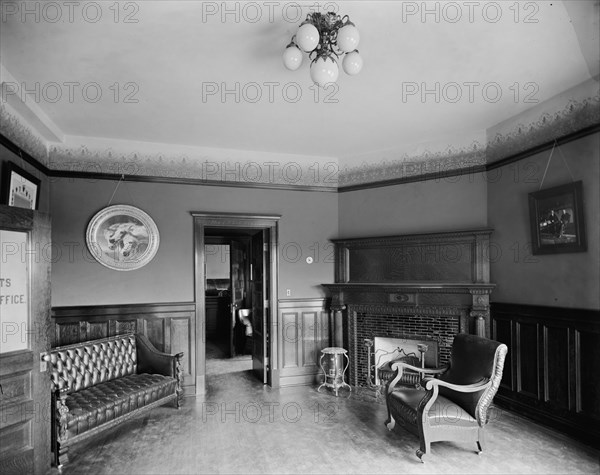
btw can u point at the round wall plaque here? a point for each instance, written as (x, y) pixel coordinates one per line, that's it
(122, 237)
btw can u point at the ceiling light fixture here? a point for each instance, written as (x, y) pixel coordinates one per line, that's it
(325, 37)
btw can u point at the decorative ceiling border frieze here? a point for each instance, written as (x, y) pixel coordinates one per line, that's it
(575, 110)
(14, 128)
(427, 163)
(189, 166)
(576, 116)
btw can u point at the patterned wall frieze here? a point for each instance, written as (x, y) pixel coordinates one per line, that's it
(410, 166)
(575, 116)
(447, 288)
(13, 127)
(189, 165)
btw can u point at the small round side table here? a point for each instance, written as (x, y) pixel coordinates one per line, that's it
(334, 375)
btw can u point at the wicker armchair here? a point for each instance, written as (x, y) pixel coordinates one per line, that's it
(455, 405)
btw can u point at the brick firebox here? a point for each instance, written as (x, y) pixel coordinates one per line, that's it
(440, 328)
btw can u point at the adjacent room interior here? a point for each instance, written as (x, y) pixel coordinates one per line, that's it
(262, 237)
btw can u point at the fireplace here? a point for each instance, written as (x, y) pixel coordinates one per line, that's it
(424, 288)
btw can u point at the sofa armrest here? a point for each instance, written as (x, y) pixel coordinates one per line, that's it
(150, 360)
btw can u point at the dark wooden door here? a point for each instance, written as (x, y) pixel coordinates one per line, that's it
(25, 323)
(237, 257)
(260, 298)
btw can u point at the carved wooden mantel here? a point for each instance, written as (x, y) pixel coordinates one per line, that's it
(418, 274)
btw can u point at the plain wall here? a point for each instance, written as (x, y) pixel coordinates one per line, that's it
(444, 204)
(562, 280)
(308, 221)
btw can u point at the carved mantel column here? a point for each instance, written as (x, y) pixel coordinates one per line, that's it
(480, 312)
(337, 325)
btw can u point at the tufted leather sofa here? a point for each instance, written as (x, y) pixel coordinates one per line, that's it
(99, 384)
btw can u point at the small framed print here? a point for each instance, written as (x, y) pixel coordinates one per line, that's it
(22, 189)
(557, 222)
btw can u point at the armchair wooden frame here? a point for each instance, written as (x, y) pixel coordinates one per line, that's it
(421, 424)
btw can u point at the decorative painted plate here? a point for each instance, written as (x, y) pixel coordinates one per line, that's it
(122, 237)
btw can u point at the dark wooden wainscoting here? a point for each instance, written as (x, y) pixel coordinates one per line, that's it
(304, 332)
(551, 372)
(169, 326)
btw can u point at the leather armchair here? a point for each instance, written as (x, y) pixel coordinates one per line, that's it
(453, 406)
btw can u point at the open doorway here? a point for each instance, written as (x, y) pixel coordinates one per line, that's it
(236, 309)
(229, 293)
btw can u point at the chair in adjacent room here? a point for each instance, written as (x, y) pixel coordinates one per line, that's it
(454, 406)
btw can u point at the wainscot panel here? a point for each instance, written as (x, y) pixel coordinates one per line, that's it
(169, 326)
(551, 370)
(304, 325)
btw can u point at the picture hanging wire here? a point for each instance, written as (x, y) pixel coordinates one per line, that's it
(122, 179)
(555, 145)
(22, 164)
(116, 188)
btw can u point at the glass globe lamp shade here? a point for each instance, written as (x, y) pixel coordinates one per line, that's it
(307, 37)
(348, 38)
(292, 57)
(324, 70)
(352, 63)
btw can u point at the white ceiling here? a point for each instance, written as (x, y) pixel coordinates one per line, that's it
(172, 53)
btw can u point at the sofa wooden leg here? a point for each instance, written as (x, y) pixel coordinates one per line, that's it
(61, 456)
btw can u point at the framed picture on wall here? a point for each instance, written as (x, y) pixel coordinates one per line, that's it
(557, 222)
(21, 189)
(122, 237)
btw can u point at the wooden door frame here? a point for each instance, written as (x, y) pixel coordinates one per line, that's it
(203, 220)
(39, 327)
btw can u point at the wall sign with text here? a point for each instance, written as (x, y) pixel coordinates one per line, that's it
(14, 291)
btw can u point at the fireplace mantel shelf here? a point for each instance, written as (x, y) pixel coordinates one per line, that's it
(412, 286)
(435, 297)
